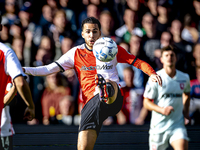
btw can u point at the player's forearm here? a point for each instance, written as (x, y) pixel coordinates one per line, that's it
(148, 104)
(144, 66)
(42, 70)
(186, 103)
(10, 95)
(24, 91)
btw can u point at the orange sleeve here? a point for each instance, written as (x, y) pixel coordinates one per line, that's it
(124, 57)
(144, 66)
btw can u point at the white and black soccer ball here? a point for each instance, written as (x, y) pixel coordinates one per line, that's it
(105, 49)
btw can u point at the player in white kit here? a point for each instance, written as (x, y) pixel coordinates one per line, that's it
(169, 105)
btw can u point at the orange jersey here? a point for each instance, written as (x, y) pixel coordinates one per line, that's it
(87, 66)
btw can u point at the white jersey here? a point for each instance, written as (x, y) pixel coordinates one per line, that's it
(170, 94)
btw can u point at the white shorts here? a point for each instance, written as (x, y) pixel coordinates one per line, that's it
(161, 141)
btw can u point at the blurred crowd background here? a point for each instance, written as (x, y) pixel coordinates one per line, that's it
(41, 31)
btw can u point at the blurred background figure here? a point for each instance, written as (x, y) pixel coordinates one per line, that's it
(67, 110)
(133, 99)
(66, 44)
(5, 36)
(107, 25)
(152, 7)
(46, 16)
(11, 12)
(71, 17)
(151, 38)
(57, 87)
(18, 47)
(130, 26)
(195, 98)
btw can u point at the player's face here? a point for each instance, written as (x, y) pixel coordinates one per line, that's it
(90, 33)
(168, 58)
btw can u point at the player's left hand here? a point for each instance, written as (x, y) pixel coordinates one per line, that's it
(156, 78)
(29, 113)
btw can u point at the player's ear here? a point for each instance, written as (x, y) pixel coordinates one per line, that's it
(82, 34)
(161, 60)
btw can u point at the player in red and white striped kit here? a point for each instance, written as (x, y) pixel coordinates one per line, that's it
(92, 75)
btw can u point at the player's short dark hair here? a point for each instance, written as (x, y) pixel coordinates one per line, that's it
(91, 20)
(169, 48)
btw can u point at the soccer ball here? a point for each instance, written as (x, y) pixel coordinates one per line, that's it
(105, 49)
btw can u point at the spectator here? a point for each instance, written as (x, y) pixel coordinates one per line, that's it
(196, 55)
(195, 98)
(54, 4)
(130, 26)
(137, 6)
(195, 61)
(152, 7)
(132, 102)
(151, 39)
(69, 13)
(11, 12)
(184, 48)
(18, 47)
(5, 36)
(196, 14)
(46, 17)
(163, 20)
(66, 44)
(56, 89)
(66, 108)
(189, 33)
(60, 28)
(107, 24)
(16, 29)
(47, 44)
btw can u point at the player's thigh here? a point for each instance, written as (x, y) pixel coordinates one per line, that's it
(179, 139)
(180, 144)
(158, 141)
(86, 139)
(6, 143)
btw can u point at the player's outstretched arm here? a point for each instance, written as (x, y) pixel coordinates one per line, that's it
(42, 70)
(146, 68)
(24, 91)
(148, 104)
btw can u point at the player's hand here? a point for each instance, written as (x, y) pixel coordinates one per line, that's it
(156, 78)
(167, 110)
(29, 113)
(139, 121)
(23, 69)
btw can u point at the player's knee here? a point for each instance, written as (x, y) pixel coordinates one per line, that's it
(110, 89)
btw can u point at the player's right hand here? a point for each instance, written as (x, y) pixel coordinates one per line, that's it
(23, 69)
(29, 113)
(156, 78)
(167, 110)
